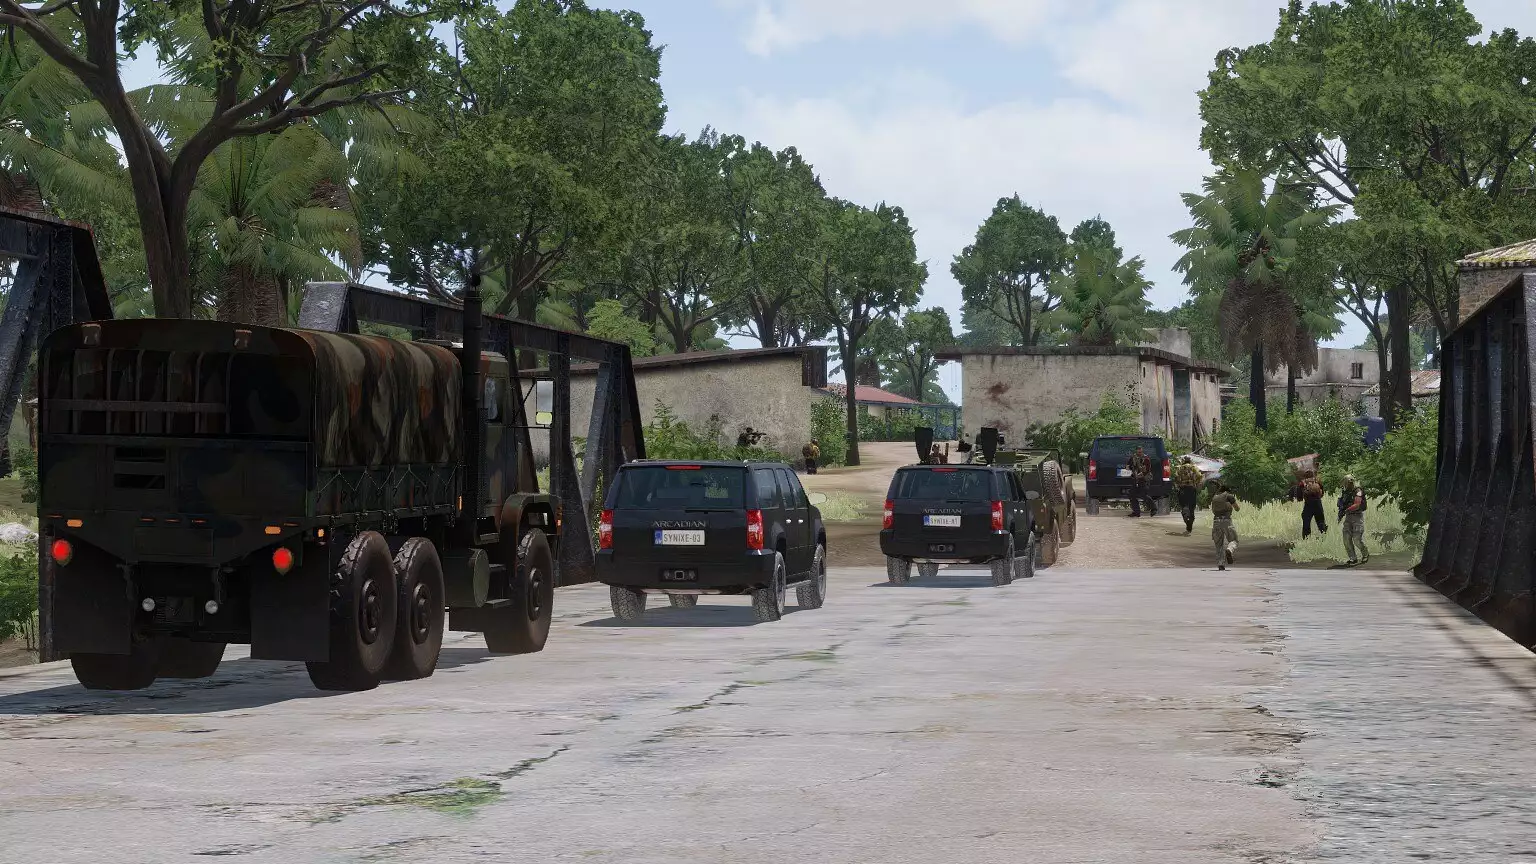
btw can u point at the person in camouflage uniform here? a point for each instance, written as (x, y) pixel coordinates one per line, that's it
(1352, 514)
(1141, 475)
(1188, 479)
(1223, 533)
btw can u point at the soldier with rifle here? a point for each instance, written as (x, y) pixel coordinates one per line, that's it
(1188, 479)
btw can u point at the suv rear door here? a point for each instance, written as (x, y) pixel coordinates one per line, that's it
(775, 514)
(673, 514)
(939, 503)
(797, 520)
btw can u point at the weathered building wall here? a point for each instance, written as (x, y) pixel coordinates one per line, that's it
(1334, 377)
(1013, 391)
(764, 393)
(1481, 285)
(1174, 340)
(1205, 402)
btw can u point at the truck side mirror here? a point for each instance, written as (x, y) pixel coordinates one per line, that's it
(543, 403)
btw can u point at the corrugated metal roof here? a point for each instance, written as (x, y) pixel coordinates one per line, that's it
(1513, 256)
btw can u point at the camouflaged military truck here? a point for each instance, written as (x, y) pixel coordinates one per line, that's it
(323, 496)
(1055, 511)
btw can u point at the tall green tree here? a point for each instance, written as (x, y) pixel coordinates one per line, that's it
(1241, 245)
(865, 269)
(1104, 299)
(1008, 270)
(545, 123)
(274, 63)
(908, 350)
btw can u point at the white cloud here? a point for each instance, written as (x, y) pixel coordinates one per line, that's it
(786, 24)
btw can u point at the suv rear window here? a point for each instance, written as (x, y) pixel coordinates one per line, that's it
(943, 484)
(1120, 449)
(664, 487)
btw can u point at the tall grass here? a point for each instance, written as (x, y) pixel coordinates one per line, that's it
(840, 506)
(1384, 530)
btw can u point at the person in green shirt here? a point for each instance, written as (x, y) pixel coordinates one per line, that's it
(1187, 480)
(1223, 534)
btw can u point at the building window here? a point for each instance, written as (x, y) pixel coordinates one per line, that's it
(1356, 371)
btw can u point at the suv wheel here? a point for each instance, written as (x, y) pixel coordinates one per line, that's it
(1002, 568)
(898, 571)
(928, 570)
(683, 601)
(1024, 565)
(628, 603)
(1093, 506)
(768, 601)
(814, 593)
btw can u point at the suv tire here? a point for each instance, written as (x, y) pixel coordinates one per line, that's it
(1050, 474)
(1048, 548)
(898, 571)
(683, 601)
(1024, 565)
(1093, 506)
(768, 601)
(928, 570)
(813, 594)
(1002, 568)
(628, 603)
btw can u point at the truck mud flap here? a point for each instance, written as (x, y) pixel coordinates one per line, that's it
(291, 613)
(92, 610)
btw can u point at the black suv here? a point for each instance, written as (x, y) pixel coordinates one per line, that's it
(958, 514)
(691, 528)
(1109, 474)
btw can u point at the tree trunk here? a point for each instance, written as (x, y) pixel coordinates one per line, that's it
(1400, 351)
(1383, 382)
(1256, 394)
(1290, 388)
(850, 402)
(247, 297)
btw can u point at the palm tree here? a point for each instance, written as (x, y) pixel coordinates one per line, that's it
(1241, 247)
(1104, 298)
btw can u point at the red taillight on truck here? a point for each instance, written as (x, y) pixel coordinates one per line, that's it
(282, 559)
(1166, 474)
(754, 529)
(62, 552)
(1093, 470)
(605, 530)
(997, 515)
(890, 515)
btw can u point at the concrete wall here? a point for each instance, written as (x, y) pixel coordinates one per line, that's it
(1174, 340)
(1480, 286)
(1205, 402)
(1334, 368)
(764, 393)
(1013, 391)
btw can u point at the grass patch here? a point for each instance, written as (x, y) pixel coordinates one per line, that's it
(12, 508)
(1384, 531)
(462, 797)
(843, 507)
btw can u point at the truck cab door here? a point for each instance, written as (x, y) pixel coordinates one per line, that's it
(497, 441)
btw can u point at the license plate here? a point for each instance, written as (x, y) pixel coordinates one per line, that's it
(679, 538)
(1125, 472)
(942, 521)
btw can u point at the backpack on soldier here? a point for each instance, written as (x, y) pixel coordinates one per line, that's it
(1312, 489)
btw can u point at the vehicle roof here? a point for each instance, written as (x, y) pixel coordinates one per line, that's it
(702, 463)
(1128, 438)
(974, 466)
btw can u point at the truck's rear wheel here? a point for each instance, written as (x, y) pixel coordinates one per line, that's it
(1002, 568)
(628, 603)
(133, 671)
(898, 571)
(1048, 548)
(363, 615)
(523, 627)
(419, 626)
(183, 658)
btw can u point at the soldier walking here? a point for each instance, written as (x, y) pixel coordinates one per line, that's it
(1223, 533)
(1188, 479)
(1312, 505)
(1141, 475)
(1352, 514)
(812, 454)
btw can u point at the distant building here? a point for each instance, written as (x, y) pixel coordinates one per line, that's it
(885, 406)
(1426, 390)
(1345, 374)
(1014, 388)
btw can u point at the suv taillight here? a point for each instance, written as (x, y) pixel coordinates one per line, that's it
(890, 515)
(1166, 474)
(997, 515)
(605, 530)
(1093, 470)
(754, 529)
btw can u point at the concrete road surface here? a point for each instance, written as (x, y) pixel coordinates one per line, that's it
(1178, 716)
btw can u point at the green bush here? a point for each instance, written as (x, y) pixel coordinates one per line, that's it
(829, 426)
(1072, 434)
(18, 592)
(667, 437)
(1253, 471)
(901, 426)
(1327, 429)
(1404, 467)
(25, 462)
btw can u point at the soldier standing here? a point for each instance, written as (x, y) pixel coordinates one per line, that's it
(1352, 514)
(1188, 479)
(1312, 504)
(1141, 474)
(812, 454)
(1223, 533)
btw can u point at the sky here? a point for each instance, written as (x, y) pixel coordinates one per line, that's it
(1083, 108)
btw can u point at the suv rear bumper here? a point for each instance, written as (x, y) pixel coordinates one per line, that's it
(966, 550)
(751, 569)
(1117, 491)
